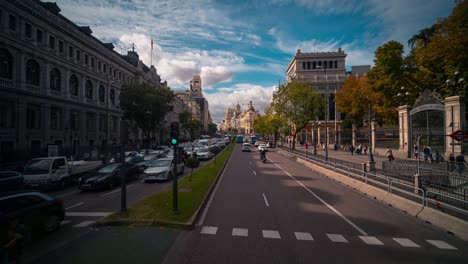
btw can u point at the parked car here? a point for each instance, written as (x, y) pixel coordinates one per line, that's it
(204, 154)
(11, 180)
(38, 211)
(161, 169)
(108, 176)
(262, 147)
(246, 147)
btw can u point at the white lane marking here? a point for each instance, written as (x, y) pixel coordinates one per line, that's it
(266, 201)
(255, 173)
(114, 191)
(271, 234)
(240, 232)
(205, 211)
(64, 222)
(87, 214)
(405, 242)
(337, 238)
(441, 244)
(325, 203)
(85, 224)
(303, 236)
(78, 204)
(370, 240)
(66, 194)
(209, 230)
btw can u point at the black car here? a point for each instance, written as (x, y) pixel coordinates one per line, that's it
(108, 176)
(37, 211)
(11, 180)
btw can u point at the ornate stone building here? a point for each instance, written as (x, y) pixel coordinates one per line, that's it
(326, 72)
(201, 110)
(59, 85)
(240, 121)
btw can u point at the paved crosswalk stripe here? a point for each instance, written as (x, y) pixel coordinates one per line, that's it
(441, 244)
(303, 236)
(87, 214)
(405, 242)
(370, 240)
(240, 232)
(209, 230)
(85, 224)
(64, 222)
(271, 234)
(337, 238)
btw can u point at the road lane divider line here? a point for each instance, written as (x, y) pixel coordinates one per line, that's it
(114, 191)
(255, 173)
(66, 194)
(85, 224)
(266, 201)
(78, 204)
(325, 203)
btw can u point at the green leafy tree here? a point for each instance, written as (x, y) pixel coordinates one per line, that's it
(146, 106)
(185, 119)
(298, 103)
(212, 129)
(215, 150)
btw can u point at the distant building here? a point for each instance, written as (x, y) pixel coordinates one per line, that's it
(360, 70)
(240, 121)
(195, 93)
(59, 85)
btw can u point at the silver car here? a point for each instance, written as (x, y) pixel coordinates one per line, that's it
(161, 169)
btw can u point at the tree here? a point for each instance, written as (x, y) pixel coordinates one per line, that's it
(212, 129)
(215, 150)
(269, 125)
(146, 106)
(298, 103)
(192, 163)
(185, 119)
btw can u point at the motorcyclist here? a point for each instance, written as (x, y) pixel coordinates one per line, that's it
(263, 154)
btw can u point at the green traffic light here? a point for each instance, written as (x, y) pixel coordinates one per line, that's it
(174, 141)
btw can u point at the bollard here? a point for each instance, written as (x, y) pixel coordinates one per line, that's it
(364, 170)
(416, 183)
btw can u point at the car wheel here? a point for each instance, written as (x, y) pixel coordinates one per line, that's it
(52, 223)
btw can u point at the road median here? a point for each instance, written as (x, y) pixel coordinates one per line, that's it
(157, 209)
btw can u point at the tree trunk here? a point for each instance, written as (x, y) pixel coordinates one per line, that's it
(294, 141)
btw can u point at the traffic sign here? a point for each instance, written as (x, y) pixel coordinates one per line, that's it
(458, 135)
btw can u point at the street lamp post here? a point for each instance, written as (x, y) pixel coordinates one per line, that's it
(370, 121)
(327, 106)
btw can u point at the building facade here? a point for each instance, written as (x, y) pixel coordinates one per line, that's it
(241, 121)
(59, 85)
(326, 72)
(201, 110)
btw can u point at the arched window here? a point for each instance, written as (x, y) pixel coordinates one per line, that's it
(89, 90)
(73, 85)
(112, 96)
(102, 94)
(32, 72)
(55, 80)
(6, 64)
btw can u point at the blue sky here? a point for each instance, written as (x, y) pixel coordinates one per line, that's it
(242, 48)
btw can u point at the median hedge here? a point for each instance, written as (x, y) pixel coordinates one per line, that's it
(158, 207)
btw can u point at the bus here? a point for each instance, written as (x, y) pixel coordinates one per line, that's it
(240, 139)
(253, 139)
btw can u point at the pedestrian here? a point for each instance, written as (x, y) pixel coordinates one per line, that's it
(365, 149)
(389, 154)
(359, 149)
(415, 151)
(427, 153)
(460, 160)
(452, 162)
(351, 149)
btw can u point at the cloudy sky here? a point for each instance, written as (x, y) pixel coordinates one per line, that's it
(242, 47)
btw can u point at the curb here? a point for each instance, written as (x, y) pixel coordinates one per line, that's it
(189, 225)
(449, 223)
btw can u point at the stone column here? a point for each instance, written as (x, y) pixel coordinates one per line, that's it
(454, 120)
(404, 130)
(353, 129)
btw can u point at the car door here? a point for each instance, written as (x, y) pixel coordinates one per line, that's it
(30, 211)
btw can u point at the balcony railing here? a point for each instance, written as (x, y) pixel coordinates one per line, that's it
(33, 88)
(6, 83)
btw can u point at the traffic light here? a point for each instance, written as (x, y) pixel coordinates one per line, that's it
(174, 133)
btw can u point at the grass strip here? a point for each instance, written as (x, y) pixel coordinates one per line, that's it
(159, 205)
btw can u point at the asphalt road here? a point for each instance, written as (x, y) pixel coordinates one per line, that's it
(282, 212)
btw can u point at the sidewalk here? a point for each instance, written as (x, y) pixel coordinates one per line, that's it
(344, 155)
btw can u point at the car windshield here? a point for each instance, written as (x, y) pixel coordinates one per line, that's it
(203, 150)
(151, 157)
(37, 166)
(135, 159)
(109, 168)
(160, 163)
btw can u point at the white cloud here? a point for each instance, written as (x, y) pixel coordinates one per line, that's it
(243, 93)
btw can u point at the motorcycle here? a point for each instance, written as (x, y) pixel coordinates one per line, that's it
(263, 156)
